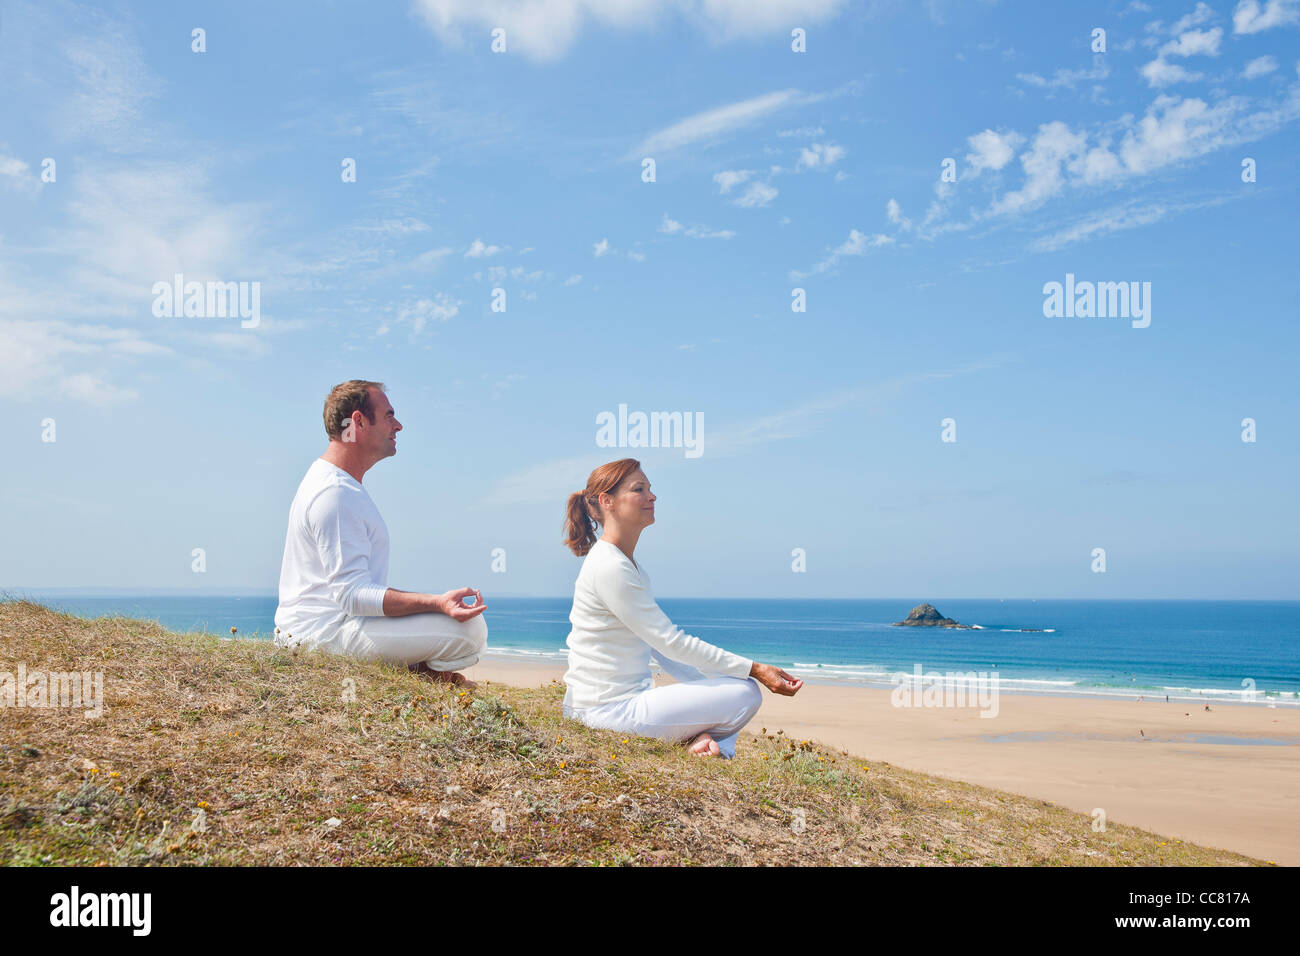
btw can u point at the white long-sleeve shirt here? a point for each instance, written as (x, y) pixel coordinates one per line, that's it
(617, 627)
(335, 557)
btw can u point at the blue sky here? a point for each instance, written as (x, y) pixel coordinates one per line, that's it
(775, 170)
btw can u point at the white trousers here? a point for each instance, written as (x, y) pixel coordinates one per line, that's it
(439, 641)
(720, 706)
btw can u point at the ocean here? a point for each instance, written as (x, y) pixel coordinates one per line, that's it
(1230, 651)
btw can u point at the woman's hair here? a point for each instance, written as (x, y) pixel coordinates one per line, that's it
(584, 506)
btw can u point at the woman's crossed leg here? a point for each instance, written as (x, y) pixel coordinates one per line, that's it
(715, 708)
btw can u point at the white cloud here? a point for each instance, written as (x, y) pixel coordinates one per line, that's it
(1174, 130)
(819, 156)
(714, 123)
(1100, 224)
(1051, 147)
(1202, 14)
(395, 227)
(1116, 219)
(1194, 43)
(501, 273)
(573, 279)
(636, 256)
(855, 245)
(1097, 165)
(895, 213)
(802, 131)
(430, 258)
(758, 194)
(1068, 79)
(1250, 17)
(671, 226)
(600, 248)
(440, 308)
(990, 150)
(35, 358)
(731, 177)
(1259, 66)
(12, 167)
(546, 29)
(858, 243)
(1160, 73)
(478, 249)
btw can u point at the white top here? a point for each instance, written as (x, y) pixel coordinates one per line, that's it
(335, 557)
(617, 626)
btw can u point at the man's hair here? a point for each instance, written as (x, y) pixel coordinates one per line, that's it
(343, 400)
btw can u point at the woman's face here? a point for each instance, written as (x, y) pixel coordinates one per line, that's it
(631, 505)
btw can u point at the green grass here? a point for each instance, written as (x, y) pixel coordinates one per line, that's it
(287, 770)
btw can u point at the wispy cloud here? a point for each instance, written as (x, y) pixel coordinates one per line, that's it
(552, 481)
(856, 244)
(716, 123)
(673, 227)
(1128, 215)
(1069, 79)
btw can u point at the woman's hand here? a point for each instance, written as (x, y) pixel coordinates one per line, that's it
(453, 604)
(775, 679)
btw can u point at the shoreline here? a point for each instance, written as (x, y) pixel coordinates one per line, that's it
(1227, 778)
(543, 659)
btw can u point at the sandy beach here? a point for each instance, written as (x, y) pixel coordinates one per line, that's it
(1173, 778)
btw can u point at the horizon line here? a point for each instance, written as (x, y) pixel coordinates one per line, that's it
(17, 593)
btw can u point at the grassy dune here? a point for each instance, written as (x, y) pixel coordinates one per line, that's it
(287, 770)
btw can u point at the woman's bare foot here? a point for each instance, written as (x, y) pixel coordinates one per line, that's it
(704, 746)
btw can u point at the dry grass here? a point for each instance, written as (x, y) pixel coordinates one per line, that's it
(287, 771)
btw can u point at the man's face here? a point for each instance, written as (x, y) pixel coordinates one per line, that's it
(381, 438)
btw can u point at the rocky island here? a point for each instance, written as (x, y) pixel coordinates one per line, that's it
(926, 615)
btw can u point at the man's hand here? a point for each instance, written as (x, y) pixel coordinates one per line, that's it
(454, 605)
(775, 679)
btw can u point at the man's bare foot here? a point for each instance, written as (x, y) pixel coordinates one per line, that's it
(704, 746)
(445, 677)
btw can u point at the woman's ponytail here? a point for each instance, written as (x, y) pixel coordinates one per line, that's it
(579, 529)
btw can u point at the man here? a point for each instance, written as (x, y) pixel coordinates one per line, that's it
(333, 593)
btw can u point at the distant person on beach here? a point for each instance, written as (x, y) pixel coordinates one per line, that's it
(618, 627)
(333, 580)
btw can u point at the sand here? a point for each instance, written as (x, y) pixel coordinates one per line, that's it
(1080, 753)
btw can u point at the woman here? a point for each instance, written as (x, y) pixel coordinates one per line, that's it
(617, 627)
